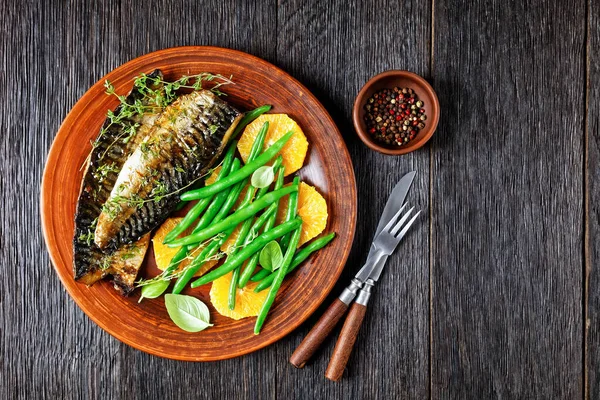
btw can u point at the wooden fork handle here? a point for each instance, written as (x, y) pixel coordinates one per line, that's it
(318, 333)
(345, 343)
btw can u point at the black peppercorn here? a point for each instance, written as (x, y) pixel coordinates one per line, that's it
(390, 120)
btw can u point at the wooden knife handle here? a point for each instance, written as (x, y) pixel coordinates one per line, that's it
(318, 333)
(345, 343)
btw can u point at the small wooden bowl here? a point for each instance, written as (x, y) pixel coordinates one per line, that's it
(390, 79)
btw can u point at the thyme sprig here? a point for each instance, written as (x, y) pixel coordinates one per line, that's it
(169, 274)
(114, 205)
(156, 94)
(169, 90)
(88, 236)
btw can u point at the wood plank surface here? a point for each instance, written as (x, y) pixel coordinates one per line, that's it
(488, 297)
(54, 51)
(334, 53)
(592, 251)
(507, 200)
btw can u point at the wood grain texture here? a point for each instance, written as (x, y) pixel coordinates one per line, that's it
(507, 208)
(54, 51)
(345, 342)
(507, 196)
(318, 333)
(592, 248)
(334, 47)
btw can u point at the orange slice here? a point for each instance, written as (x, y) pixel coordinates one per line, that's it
(247, 303)
(293, 152)
(312, 208)
(227, 246)
(213, 177)
(163, 254)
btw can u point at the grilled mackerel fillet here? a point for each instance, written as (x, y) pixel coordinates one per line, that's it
(111, 150)
(186, 140)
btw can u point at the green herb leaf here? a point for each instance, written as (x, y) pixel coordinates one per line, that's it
(262, 177)
(187, 312)
(271, 256)
(153, 290)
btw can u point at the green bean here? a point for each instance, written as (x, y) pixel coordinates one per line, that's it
(244, 238)
(243, 234)
(249, 117)
(233, 288)
(249, 269)
(287, 259)
(216, 205)
(199, 207)
(299, 258)
(177, 258)
(251, 264)
(240, 215)
(198, 262)
(183, 251)
(192, 269)
(260, 222)
(220, 206)
(197, 229)
(254, 228)
(189, 219)
(239, 241)
(256, 245)
(235, 192)
(291, 213)
(276, 164)
(180, 205)
(259, 142)
(229, 202)
(260, 275)
(278, 185)
(254, 152)
(244, 172)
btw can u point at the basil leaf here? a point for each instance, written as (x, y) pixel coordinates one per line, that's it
(187, 312)
(153, 290)
(271, 256)
(262, 177)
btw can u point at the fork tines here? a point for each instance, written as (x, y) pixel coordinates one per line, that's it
(392, 230)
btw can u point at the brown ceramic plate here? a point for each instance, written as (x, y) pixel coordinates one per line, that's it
(147, 326)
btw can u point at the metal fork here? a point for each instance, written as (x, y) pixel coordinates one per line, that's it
(385, 243)
(388, 239)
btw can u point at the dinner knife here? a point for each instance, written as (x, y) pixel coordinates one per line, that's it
(336, 310)
(393, 204)
(345, 343)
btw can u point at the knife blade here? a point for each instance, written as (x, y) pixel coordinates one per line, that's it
(394, 202)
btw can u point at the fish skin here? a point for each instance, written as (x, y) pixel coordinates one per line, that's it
(186, 140)
(91, 264)
(125, 264)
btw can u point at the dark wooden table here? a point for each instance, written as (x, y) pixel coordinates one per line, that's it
(494, 295)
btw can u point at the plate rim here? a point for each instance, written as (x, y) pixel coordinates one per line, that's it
(68, 282)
